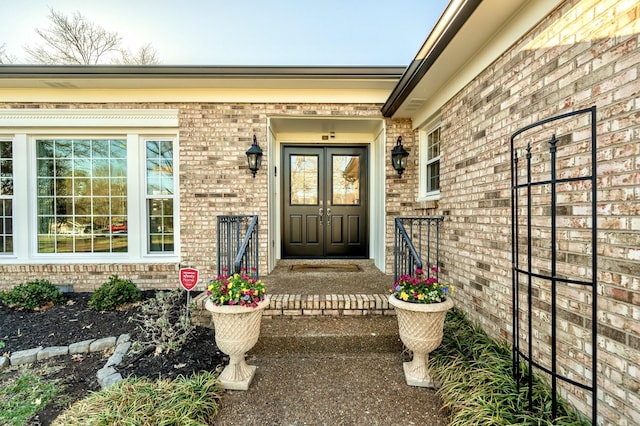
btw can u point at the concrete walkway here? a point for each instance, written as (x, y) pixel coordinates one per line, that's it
(329, 369)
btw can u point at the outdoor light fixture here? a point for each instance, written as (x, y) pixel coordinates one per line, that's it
(254, 156)
(399, 157)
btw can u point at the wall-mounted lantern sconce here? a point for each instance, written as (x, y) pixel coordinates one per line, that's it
(399, 157)
(254, 156)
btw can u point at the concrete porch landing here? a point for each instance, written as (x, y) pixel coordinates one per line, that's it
(322, 289)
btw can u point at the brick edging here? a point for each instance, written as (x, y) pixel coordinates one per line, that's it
(310, 305)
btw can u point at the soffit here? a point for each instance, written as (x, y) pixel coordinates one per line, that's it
(325, 125)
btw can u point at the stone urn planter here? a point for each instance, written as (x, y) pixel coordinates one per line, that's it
(237, 329)
(421, 329)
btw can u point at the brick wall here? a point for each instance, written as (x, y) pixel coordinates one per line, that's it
(585, 53)
(214, 180)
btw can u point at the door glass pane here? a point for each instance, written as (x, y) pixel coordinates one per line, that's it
(304, 179)
(345, 182)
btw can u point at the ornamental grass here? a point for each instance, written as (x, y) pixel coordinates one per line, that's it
(186, 401)
(477, 385)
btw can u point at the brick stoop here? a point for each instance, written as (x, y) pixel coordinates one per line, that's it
(327, 288)
(309, 306)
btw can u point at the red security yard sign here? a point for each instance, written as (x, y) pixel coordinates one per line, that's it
(188, 278)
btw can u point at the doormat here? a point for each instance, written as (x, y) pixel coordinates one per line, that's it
(331, 267)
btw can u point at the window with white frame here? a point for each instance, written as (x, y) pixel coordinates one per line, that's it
(85, 192)
(430, 163)
(160, 195)
(6, 197)
(81, 195)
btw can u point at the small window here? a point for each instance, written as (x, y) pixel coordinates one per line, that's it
(6, 197)
(430, 163)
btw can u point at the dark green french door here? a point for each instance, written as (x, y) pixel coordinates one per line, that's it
(325, 204)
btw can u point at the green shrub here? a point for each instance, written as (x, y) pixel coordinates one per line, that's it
(32, 295)
(114, 293)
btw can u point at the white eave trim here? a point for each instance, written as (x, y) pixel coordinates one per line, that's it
(123, 118)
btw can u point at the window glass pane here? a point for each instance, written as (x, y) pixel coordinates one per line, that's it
(6, 226)
(160, 168)
(118, 149)
(82, 203)
(433, 176)
(6, 197)
(304, 179)
(345, 176)
(434, 144)
(161, 225)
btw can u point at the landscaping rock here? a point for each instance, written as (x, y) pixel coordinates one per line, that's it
(5, 363)
(102, 344)
(123, 338)
(52, 351)
(108, 376)
(25, 357)
(118, 354)
(80, 347)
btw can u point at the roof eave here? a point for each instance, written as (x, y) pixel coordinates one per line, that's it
(160, 71)
(453, 18)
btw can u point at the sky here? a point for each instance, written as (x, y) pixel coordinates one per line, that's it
(243, 32)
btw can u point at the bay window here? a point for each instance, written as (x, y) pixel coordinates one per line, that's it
(86, 193)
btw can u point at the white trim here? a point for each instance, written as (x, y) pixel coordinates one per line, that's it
(82, 118)
(375, 140)
(377, 206)
(23, 127)
(347, 95)
(423, 159)
(273, 205)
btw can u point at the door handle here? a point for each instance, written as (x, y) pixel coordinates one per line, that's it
(329, 216)
(321, 214)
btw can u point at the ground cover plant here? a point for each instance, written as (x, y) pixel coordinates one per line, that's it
(23, 395)
(477, 384)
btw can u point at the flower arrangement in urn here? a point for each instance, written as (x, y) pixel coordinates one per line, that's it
(236, 302)
(421, 289)
(421, 304)
(236, 289)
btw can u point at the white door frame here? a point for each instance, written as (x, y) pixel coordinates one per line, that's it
(370, 132)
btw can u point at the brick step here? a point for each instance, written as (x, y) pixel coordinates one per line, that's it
(364, 334)
(310, 306)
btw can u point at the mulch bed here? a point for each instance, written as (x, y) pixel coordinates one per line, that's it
(74, 321)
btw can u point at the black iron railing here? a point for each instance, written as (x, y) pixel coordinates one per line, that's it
(238, 244)
(416, 245)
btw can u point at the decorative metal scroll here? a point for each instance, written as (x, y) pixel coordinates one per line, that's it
(553, 212)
